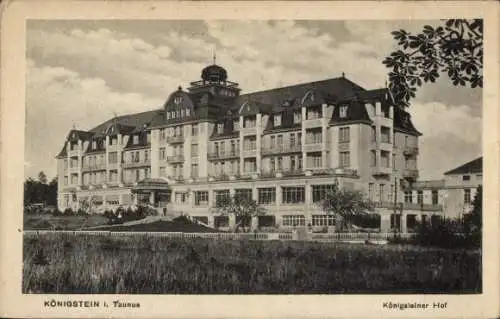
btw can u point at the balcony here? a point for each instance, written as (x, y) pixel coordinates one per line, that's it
(175, 159)
(311, 123)
(74, 153)
(313, 147)
(136, 164)
(410, 173)
(410, 150)
(175, 139)
(223, 155)
(249, 130)
(250, 153)
(281, 149)
(410, 206)
(94, 167)
(382, 171)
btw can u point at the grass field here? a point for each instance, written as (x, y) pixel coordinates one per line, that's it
(86, 264)
(48, 221)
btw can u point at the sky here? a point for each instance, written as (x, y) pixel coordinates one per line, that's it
(81, 73)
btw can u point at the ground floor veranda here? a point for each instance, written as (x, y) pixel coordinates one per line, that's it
(158, 194)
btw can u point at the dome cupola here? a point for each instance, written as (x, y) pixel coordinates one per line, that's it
(214, 73)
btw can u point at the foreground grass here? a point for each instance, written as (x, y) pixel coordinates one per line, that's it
(86, 264)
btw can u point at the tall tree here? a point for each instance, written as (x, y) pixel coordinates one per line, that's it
(473, 219)
(42, 178)
(241, 207)
(454, 48)
(345, 204)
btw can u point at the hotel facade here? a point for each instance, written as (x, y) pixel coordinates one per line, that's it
(283, 147)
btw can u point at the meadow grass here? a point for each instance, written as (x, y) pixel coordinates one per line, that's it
(148, 265)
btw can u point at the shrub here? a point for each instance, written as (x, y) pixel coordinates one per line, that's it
(68, 211)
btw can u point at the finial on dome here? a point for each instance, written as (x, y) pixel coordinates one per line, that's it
(179, 88)
(215, 57)
(343, 74)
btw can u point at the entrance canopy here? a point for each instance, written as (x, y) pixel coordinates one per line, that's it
(151, 184)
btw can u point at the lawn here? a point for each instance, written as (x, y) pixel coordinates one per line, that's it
(163, 226)
(129, 265)
(49, 222)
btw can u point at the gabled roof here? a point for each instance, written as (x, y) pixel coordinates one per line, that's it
(474, 166)
(78, 135)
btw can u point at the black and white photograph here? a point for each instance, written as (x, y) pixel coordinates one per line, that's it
(253, 157)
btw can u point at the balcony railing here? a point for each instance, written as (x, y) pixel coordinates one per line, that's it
(410, 206)
(252, 130)
(382, 170)
(410, 173)
(175, 159)
(250, 153)
(280, 149)
(175, 139)
(317, 122)
(75, 152)
(94, 167)
(136, 164)
(313, 147)
(410, 150)
(223, 155)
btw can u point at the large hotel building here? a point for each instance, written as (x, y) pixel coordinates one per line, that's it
(283, 147)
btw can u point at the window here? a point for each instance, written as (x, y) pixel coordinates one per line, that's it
(293, 195)
(194, 130)
(194, 150)
(249, 122)
(385, 158)
(94, 145)
(146, 155)
(381, 193)
(188, 112)
(222, 147)
(113, 175)
(201, 198)
(420, 197)
(178, 100)
(294, 220)
(277, 120)
(435, 198)
(250, 165)
(391, 194)
(267, 195)
(162, 153)
(113, 158)
(163, 172)
(135, 139)
(343, 111)
(180, 197)
(280, 163)
(408, 197)
(466, 178)
(244, 193)
(344, 135)
(319, 192)
(297, 117)
(113, 141)
(323, 220)
(385, 134)
(221, 196)
(233, 147)
(345, 159)
(292, 139)
(279, 140)
(373, 158)
(393, 161)
(479, 177)
(314, 161)
(250, 143)
(273, 164)
(374, 134)
(370, 191)
(236, 125)
(194, 170)
(467, 196)
(168, 115)
(65, 180)
(220, 128)
(314, 136)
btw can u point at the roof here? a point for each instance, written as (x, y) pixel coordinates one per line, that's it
(474, 166)
(133, 120)
(402, 122)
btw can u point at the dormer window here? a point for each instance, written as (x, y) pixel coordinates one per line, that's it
(236, 125)
(135, 139)
(220, 128)
(297, 117)
(148, 137)
(168, 115)
(94, 145)
(188, 112)
(183, 112)
(178, 100)
(343, 111)
(277, 120)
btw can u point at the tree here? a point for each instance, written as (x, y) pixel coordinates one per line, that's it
(42, 178)
(241, 207)
(345, 204)
(474, 219)
(454, 48)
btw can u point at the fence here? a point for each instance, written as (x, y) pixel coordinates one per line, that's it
(329, 237)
